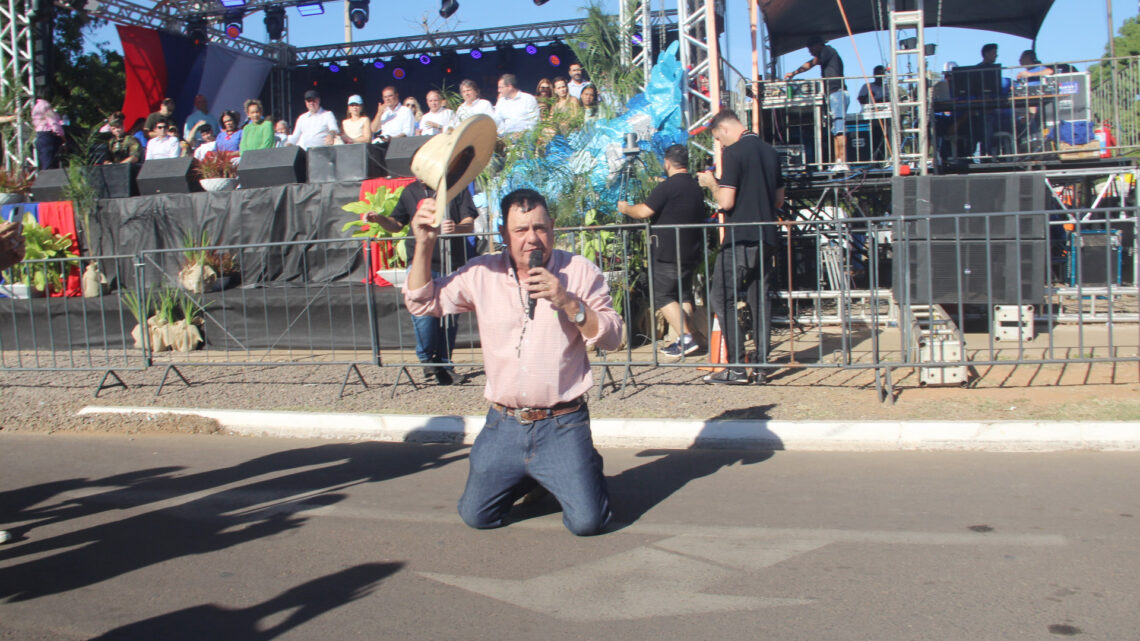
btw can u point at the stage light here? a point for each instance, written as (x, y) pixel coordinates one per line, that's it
(358, 13)
(378, 63)
(334, 67)
(637, 39)
(539, 3)
(425, 59)
(233, 23)
(275, 22)
(554, 60)
(398, 73)
(313, 9)
(476, 54)
(230, 4)
(447, 8)
(531, 49)
(196, 31)
(505, 56)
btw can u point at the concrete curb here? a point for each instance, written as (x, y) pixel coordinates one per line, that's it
(867, 436)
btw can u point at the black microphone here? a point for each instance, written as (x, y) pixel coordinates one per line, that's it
(535, 261)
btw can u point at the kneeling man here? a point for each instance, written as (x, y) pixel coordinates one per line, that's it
(535, 325)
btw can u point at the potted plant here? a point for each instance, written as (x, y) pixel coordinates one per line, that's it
(225, 265)
(41, 243)
(173, 320)
(382, 201)
(14, 186)
(217, 171)
(196, 274)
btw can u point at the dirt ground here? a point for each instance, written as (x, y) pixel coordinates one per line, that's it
(48, 401)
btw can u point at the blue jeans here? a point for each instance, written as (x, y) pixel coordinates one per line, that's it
(433, 342)
(837, 108)
(508, 457)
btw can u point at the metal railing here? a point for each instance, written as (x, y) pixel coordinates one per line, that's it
(943, 294)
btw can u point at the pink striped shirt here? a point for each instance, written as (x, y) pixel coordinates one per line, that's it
(44, 118)
(529, 363)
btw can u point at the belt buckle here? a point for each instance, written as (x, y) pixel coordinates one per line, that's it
(522, 415)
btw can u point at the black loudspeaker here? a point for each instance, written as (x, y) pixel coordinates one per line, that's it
(115, 181)
(866, 142)
(1000, 272)
(269, 167)
(398, 157)
(49, 185)
(345, 163)
(167, 176)
(936, 203)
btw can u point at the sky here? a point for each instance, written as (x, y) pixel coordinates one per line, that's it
(1073, 30)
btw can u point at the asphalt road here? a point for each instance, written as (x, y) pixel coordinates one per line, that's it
(211, 537)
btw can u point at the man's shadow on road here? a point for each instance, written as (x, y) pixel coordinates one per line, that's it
(735, 436)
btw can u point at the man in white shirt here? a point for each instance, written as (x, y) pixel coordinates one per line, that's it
(577, 80)
(472, 103)
(165, 144)
(516, 111)
(438, 118)
(393, 119)
(316, 127)
(209, 142)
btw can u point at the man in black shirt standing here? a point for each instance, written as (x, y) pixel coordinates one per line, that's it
(433, 342)
(830, 66)
(750, 190)
(675, 252)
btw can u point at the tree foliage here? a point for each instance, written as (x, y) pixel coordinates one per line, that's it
(1116, 99)
(86, 85)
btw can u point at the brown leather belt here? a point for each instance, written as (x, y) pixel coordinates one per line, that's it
(532, 414)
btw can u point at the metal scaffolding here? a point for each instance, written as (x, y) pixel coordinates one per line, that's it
(17, 82)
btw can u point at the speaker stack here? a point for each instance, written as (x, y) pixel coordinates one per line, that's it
(270, 167)
(398, 157)
(49, 185)
(167, 176)
(345, 163)
(958, 244)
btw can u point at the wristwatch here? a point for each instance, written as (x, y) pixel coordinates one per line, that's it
(580, 317)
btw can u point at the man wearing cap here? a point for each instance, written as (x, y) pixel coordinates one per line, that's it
(393, 119)
(433, 342)
(121, 148)
(516, 111)
(538, 427)
(316, 127)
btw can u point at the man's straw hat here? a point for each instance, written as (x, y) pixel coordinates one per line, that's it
(449, 162)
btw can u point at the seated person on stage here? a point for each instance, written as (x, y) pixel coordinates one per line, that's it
(1034, 71)
(316, 127)
(164, 144)
(229, 139)
(393, 119)
(209, 143)
(356, 127)
(122, 148)
(472, 103)
(874, 89)
(831, 69)
(257, 132)
(438, 117)
(281, 132)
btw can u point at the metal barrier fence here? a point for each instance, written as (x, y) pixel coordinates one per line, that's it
(937, 294)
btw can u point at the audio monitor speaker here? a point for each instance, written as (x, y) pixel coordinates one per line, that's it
(269, 167)
(49, 185)
(345, 163)
(398, 157)
(167, 176)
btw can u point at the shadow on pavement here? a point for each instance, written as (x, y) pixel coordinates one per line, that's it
(303, 603)
(193, 514)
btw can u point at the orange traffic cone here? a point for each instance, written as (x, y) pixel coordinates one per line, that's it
(718, 351)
